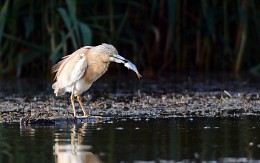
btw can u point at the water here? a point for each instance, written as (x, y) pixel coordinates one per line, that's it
(135, 140)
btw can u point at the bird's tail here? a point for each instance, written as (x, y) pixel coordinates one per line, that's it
(58, 91)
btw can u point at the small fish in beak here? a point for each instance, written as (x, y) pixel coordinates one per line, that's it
(119, 59)
(131, 66)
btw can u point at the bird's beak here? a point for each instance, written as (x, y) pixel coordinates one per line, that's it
(118, 59)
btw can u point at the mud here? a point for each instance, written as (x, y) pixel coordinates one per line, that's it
(160, 98)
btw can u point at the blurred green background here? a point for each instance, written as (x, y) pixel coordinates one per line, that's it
(159, 36)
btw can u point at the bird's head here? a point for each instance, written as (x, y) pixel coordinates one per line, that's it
(110, 54)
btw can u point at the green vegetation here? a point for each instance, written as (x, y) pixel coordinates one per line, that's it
(159, 36)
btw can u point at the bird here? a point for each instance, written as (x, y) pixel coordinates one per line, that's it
(76, 72)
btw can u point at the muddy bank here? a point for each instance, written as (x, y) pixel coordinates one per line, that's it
(160, 98)
(125, 105)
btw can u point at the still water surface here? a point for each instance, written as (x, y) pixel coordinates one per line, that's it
(135, 140)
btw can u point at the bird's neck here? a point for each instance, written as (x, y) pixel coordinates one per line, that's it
(95, 69)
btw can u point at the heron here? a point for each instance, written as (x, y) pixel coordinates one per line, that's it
(76, 72)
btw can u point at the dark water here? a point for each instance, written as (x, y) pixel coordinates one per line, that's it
(135, 140)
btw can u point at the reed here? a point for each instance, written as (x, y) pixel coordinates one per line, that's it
(161, 37)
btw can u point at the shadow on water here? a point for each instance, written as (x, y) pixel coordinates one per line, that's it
(135, 140)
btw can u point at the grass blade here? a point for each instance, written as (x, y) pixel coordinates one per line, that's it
(3, 16)
(86, 33)
(68, 24)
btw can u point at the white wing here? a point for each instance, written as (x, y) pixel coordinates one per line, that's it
(79, 69)
(72, 71)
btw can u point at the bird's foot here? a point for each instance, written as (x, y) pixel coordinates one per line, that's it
(84, 116)
(75, 115)
(98, 117)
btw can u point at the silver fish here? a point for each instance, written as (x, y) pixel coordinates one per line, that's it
(131, 66)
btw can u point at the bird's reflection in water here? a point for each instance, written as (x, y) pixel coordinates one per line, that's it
(75, 152)
(27, 131)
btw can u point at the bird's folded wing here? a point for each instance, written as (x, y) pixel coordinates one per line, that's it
(71, 68)
(79, 70)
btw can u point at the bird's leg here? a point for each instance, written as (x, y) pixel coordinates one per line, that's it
(73, 105)
(84, 110)
(72, 102)
(82, 107)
